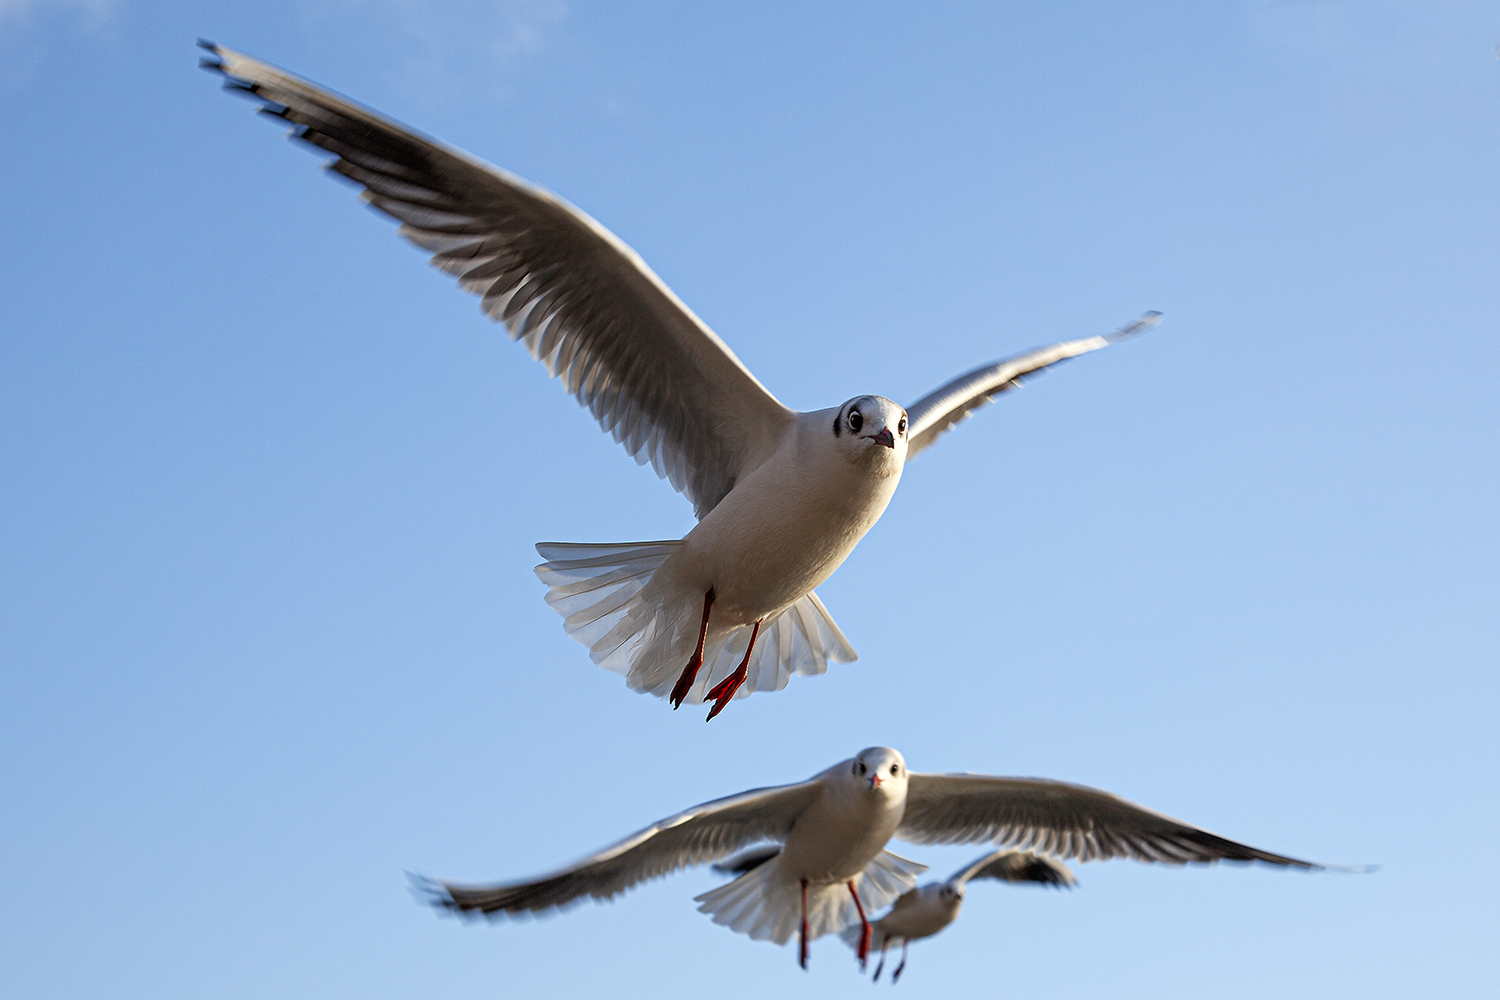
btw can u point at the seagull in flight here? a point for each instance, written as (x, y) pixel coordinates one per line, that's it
(782, 497)
(830, 868)
(928, 909)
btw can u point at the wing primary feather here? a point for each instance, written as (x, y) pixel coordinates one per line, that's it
(958, 399)
(584, 303)
(1068, 821)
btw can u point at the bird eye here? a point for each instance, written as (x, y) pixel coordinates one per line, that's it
(901, 427)
(856, 421)
(860, 767)
(895, 768)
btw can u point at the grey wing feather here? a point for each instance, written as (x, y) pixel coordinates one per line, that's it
(585, 304)
(1017, 866)
(1056, 818)
(704, 833)
(747, 860)
(940, 409)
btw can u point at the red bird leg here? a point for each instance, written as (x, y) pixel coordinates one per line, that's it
(690, 672)
(864, 927)
(897, 974)
(724, 691)
(802, 938)
(884, 944)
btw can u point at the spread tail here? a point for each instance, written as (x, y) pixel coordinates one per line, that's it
(767, 905)
(596, 589)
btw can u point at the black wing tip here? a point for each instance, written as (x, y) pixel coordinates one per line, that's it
(430, 891)
(436, 893)
(214, 61)
(1148, 320)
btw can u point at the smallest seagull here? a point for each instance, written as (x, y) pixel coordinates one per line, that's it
(928, 910)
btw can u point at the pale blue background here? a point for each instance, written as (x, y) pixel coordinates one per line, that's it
(269, 485)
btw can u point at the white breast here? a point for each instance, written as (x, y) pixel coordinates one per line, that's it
(788, 525)
(841, 832)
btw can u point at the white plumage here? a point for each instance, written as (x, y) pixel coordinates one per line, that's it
(824, 865)
(929, 909)
(782, 497)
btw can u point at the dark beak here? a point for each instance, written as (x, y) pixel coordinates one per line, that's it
(885, 438)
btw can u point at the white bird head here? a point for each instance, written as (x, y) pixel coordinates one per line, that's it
(881, 770)
(951, 893)
(872, 428)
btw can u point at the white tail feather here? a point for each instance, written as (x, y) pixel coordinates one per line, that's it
(767, 905)
(597, 590)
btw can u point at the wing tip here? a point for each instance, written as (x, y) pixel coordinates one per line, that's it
(1148, 320)
(214, 61)
(431, 892)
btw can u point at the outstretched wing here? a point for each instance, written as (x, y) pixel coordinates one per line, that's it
(1017, 866)
(583, 302)
(703, 833)
(940, 409)
(1068, 821)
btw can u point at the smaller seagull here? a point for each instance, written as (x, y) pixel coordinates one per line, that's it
(924, 912)
(829, 867)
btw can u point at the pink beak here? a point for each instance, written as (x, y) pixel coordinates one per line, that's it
(874, 781)
(885, 438)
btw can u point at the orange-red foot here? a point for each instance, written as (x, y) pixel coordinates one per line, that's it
(723, 692)
(685, 682)
(864, 928)
(695, 662)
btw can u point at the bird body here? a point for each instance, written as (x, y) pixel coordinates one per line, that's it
(777, 534)
(782, 497)
(793, 520)
(850, 821)
(834, 857)
(922, 912)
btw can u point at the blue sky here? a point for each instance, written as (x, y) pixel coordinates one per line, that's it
(268, 629)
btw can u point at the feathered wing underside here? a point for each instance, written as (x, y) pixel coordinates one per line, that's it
(946, 406)
(598, 591)
(1056, 818)
(1016, 866)
(702, 834)
(585, 304)
(767, 905)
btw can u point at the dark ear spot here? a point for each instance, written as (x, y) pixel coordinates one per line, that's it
(838, 421)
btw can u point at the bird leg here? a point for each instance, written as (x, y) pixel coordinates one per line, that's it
(724, 691)
(884, 944)
(690, 672)
(864, 927)
(802, 938)
(897, 974)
